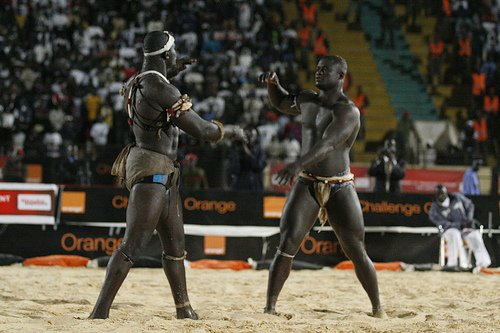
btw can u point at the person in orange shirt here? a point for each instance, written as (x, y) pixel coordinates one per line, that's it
(481, 128)
(305, 43)
(478, 88)
(464, 55)
(490, 106)
(321, 45)
(447, 8)
(436, 49)
(309, 13)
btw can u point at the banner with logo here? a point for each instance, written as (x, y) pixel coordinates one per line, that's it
(23, 203)
(32, 241)
(214, 207)
(93, 204)
(416, 180)
(84, 210)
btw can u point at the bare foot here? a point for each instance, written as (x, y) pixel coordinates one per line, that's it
(379, 313)
(270, 311)
(186, 312)
(95, 315)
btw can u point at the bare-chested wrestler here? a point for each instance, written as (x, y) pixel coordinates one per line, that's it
(157, 111)
(325, 187)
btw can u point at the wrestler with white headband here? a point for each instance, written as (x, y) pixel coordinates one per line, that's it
(158, 112)
(168, 45)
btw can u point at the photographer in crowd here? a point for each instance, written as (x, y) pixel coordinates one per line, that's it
(387, 169)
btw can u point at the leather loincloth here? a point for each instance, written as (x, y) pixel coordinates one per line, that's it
(323, 187)
(134, 163)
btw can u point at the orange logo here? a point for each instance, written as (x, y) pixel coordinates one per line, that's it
(70, 242)
(273, 206)
(311, 246)
(119, 201)
(214, 245)
(222, 207)
(73, 202)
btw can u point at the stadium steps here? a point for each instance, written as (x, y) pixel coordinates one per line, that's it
(400, 69)
(418, 43)
(351, 44)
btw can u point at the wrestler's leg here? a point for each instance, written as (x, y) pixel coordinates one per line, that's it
(346, 218)
(299, 215)
(145, 204)
(171, 231)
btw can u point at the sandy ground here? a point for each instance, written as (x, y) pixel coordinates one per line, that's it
(59, 299)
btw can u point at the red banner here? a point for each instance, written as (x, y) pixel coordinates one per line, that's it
(416, 180)
(28, 203)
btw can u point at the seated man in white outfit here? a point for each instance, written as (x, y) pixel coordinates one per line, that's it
(453, 214)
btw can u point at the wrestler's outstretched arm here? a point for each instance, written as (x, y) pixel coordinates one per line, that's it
(188, 120)
(181, 64)
(279, 97)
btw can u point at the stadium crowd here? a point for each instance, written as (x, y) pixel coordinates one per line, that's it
(64, 63)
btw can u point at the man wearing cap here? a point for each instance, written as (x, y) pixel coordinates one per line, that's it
(157, 111)
(453, 214)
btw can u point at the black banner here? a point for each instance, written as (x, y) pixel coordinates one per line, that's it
(412, 210)
(218, 207)
(242, 208)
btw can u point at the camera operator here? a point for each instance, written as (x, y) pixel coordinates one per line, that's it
(387, 169)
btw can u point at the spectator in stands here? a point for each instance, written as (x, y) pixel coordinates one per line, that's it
(453, 214)
(15, 170)
(99, 133)
(309, 13)
(436, 49)
(321, 45)
(247, 163)
(469, 141)
(193, 177)
(387, 23)
(157, 113)
(74, 68)
(405, 129)
(481, 127)
(478, 88)
(305, 47)
(291, 147)
(362, 102)
(470, 180)
(52, 141)
(489, 68)
(430, 155)
(464, 53)
(387, 169)
(490, 106)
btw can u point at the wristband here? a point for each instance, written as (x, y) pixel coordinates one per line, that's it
(222, 132)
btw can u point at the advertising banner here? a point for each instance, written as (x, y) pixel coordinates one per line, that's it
(416, 180)
(214, 207)
(239, 210)
(92, 204)
(24, 203)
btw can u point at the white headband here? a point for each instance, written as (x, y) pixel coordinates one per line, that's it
(165, 48)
